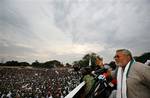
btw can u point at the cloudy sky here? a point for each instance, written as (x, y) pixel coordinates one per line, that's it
(66, 30)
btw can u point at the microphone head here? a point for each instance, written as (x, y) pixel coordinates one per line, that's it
(106, 66)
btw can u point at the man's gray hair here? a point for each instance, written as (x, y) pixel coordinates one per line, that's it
(125, 51)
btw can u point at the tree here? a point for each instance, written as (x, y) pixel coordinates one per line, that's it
(84, 62)
(12, 63)
(36, 64)
(143, 58)
(90, 57)
(24, 64)
(68, 65)
(53, 63)
(86, 59)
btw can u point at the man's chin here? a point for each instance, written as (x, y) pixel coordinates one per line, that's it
(117, 64)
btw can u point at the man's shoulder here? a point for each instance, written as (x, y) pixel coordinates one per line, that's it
(140, 67)
(88, 77)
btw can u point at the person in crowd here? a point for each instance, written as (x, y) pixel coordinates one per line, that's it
(99, 62)
(88, 77)
(49, 95)
(89, 81)
(104, 71)
(133, 78)
(99, 66)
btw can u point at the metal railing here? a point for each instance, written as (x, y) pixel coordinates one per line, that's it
(75, 91)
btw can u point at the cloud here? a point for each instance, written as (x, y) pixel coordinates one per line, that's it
(68, 29)
(79, 49)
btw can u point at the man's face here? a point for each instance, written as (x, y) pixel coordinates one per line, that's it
(121, 59)
(99, 62)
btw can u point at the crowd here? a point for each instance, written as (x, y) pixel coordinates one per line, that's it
(37, 83)
(130, 79)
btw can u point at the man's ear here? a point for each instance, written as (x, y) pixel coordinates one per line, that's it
(129, 58)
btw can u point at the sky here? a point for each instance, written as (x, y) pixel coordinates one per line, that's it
(66, 30)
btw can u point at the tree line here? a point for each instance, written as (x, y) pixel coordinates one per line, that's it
(47, 64)
(87, 60)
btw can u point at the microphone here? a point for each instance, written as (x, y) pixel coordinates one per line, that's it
(100, 71)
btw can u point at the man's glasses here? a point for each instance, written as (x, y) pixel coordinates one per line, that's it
(116, 56)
